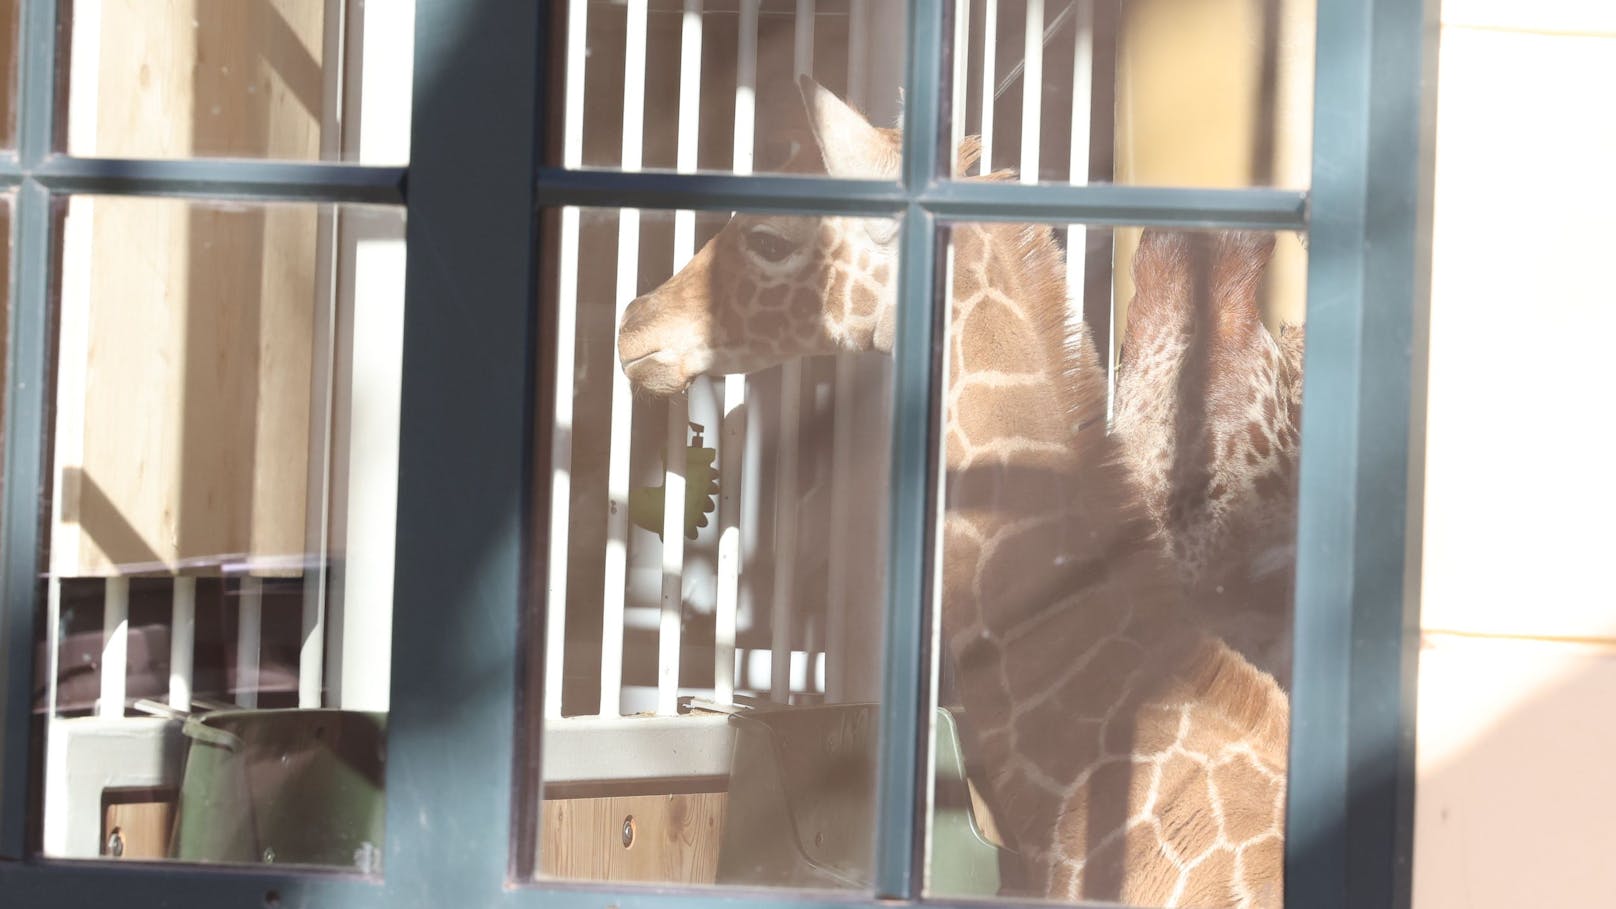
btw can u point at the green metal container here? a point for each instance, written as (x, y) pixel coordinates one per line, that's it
(300, 787)
(801, 807)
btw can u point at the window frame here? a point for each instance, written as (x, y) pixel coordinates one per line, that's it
(469, 583)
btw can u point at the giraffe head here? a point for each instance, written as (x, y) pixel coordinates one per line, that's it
(771, 288)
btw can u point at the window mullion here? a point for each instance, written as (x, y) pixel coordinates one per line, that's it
(905, 726)
(26, 407)
(1349, 824)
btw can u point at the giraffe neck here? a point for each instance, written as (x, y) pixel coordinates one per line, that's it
(1060, 609)
(1050, 567)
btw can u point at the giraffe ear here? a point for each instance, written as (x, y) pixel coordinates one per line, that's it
(850, 146)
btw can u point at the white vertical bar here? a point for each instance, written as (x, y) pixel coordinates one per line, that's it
(1078, 163)
(249, 639)
(841, 490)
(373, 424)
(731, 450)
(732, 438)
(962, 59)
(114, 648)
(746, 87)
(336, 84)
(673, 559)
(1032, 91)
(785, 491)
(628, 261)
(572, 154)
(674, 481)
(990, 41)
(182, 644)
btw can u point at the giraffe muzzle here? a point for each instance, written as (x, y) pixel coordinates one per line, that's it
(659, 354)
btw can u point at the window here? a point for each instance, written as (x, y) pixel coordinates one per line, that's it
(485, 728)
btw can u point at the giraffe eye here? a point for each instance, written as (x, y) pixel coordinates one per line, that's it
(769, 246)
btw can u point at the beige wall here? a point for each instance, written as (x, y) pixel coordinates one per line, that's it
(1517, 728)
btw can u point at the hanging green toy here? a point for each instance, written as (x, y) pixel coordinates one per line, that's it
(645, 503)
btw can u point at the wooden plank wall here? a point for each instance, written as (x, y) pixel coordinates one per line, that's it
(675, 841)
(196, 417)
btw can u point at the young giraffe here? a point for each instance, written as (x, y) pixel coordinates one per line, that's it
(1208, 410)
(1130, 756)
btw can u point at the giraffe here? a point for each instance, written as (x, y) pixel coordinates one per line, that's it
(1208, 410)
(1129, 754)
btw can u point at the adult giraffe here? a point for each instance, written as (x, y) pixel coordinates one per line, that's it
(1130, 755)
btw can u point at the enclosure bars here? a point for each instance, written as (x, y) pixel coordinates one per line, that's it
(732, 432)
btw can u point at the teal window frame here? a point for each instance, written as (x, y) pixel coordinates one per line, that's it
(476, 350)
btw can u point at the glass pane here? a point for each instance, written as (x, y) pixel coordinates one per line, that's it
(1215, 93)
(291, 79)
(652, 85)
(219, 581)
(8, 73)
(1116, 593)
(714, 551)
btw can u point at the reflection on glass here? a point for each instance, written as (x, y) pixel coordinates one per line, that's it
(1158, 92)
(651, 85)
(220, 543)
(719, 466)
(8, 73)
(289, 79)
(1115, 599)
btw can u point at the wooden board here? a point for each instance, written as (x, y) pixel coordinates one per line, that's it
(199, 322)
(142, 822)
(676, 838)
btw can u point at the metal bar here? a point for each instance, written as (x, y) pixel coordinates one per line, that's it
(990, 45)
(1257, 209)
(215, 179)
(1267, 209)
(622, 412)
(917, 387)
(27, 406)
(1032, 91)
(566, 329)
(721, 192)
(182, 643)
(249, 639)
(1350, 813)
(468, 410)
(114, 648)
